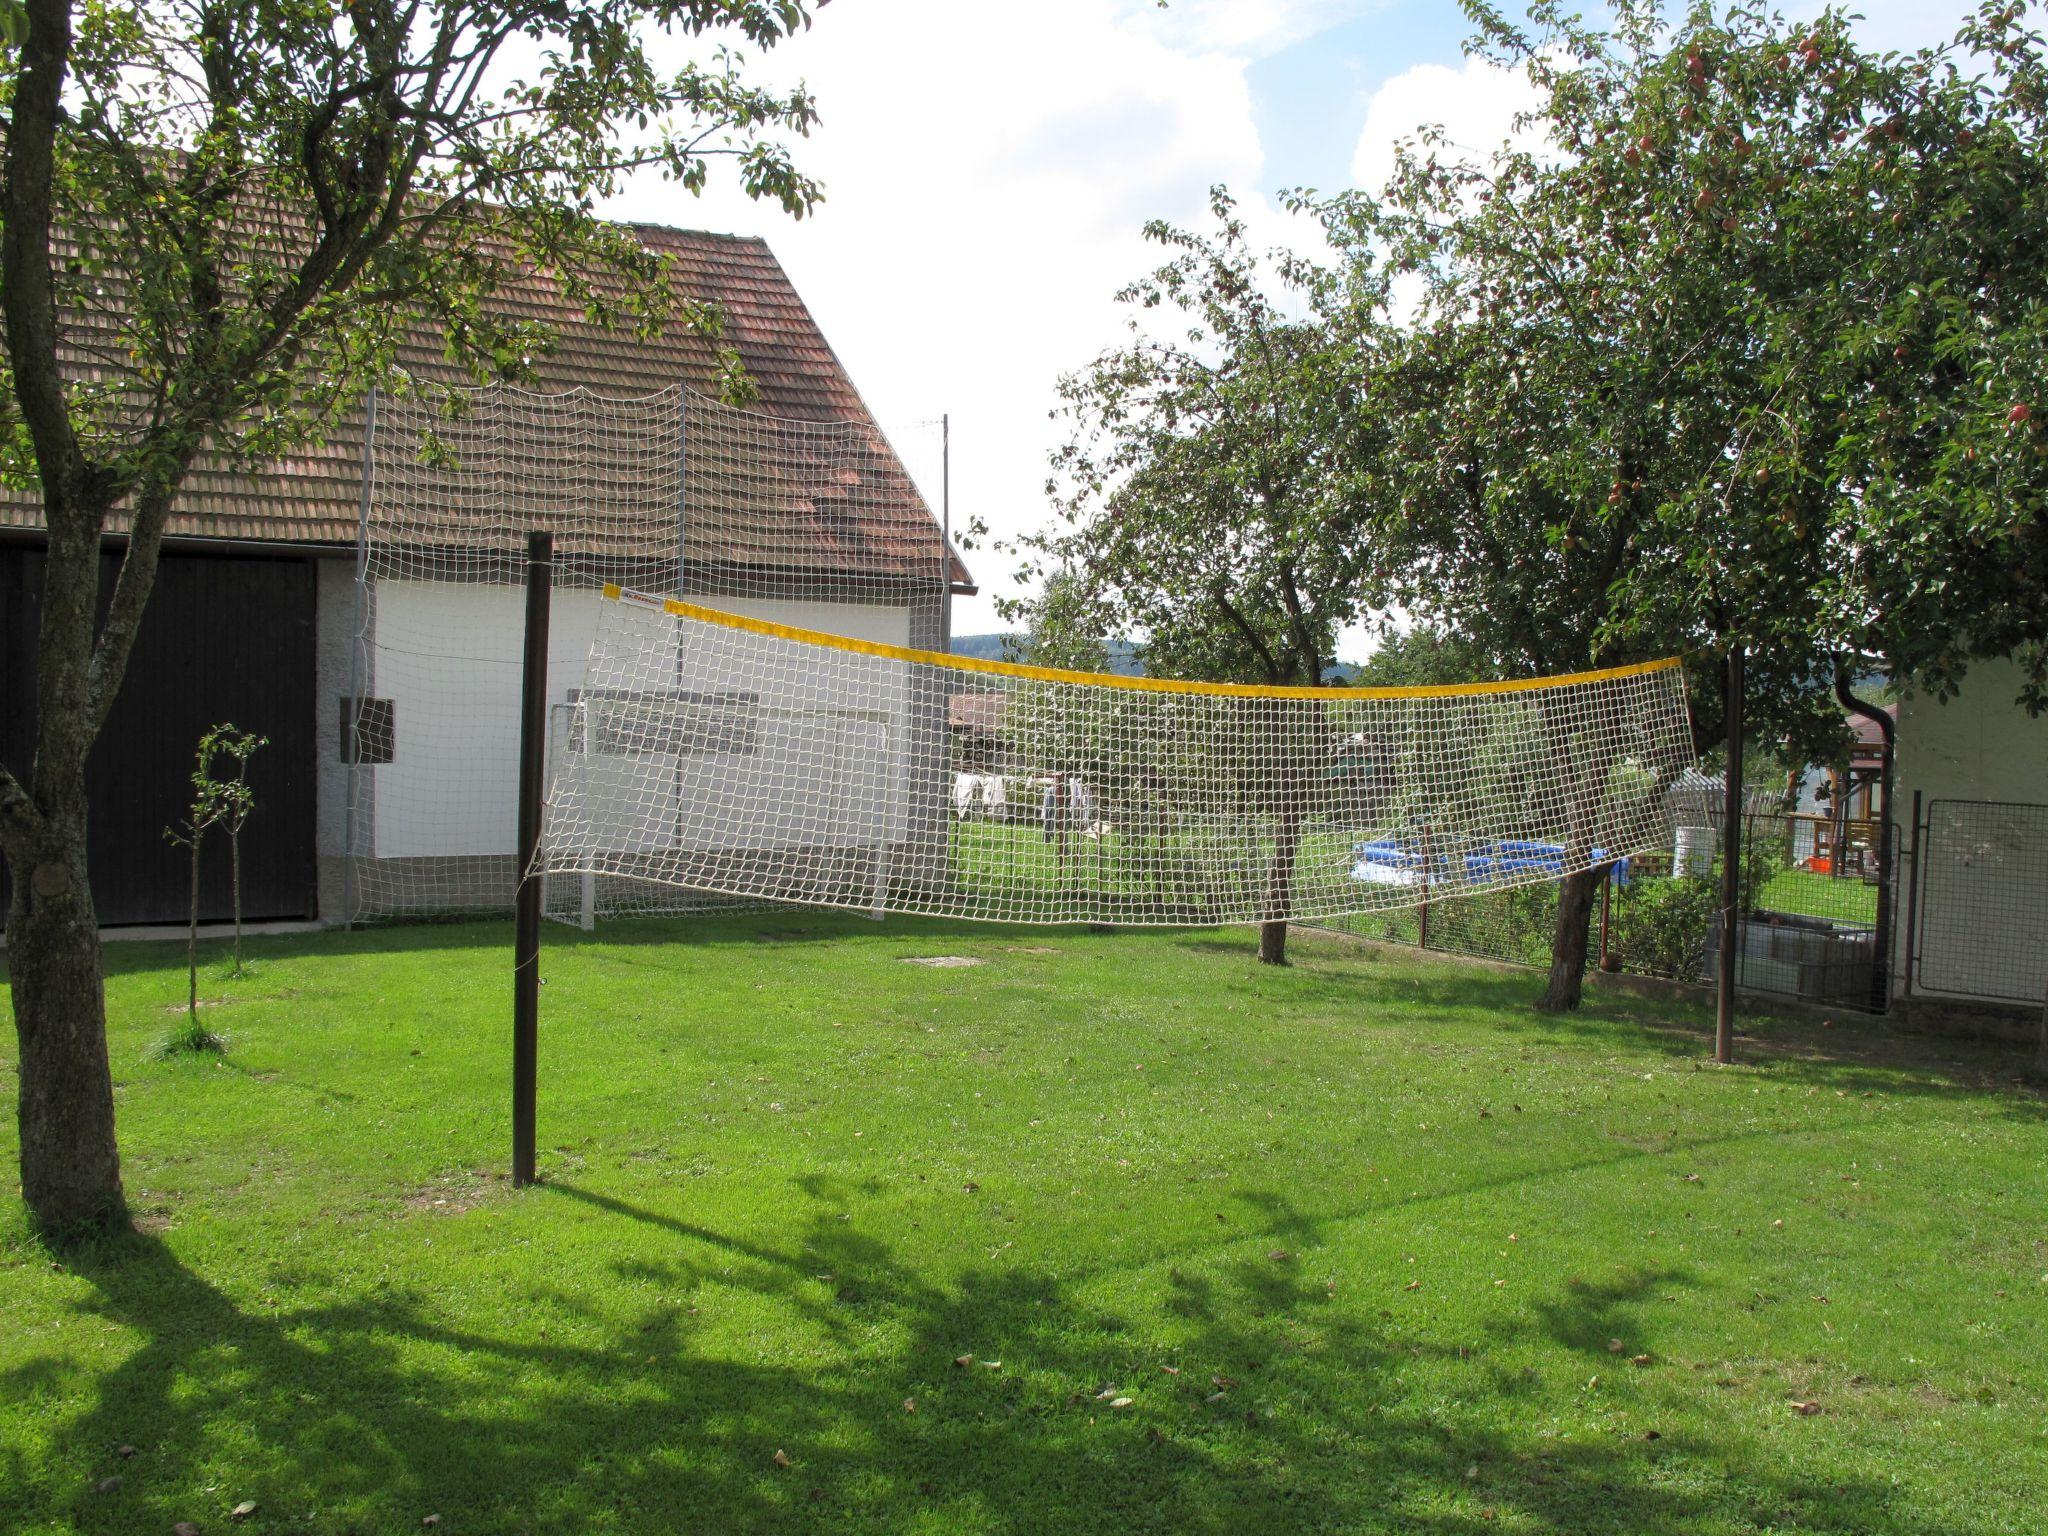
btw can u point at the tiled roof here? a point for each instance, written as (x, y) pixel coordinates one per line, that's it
(1867, 733)
(314, 495)
(977, 713)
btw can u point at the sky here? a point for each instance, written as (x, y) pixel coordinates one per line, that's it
(988, 169)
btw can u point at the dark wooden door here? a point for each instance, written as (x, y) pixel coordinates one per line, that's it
(225, 639)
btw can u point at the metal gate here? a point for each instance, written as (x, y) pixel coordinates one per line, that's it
(1980, 915)
(1816, 911)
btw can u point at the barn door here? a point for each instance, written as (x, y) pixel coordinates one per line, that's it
(224, 639)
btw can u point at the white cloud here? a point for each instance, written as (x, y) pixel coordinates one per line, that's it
(1475, 105)
(988, 171)
(1250, 27)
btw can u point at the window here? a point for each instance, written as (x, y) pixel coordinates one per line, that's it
(368, 728)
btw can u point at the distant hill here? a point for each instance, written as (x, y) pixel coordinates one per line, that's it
(1126, 658)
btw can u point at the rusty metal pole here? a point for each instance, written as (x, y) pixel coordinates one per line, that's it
(1731, 866)
(533, 725)
(1422, 926)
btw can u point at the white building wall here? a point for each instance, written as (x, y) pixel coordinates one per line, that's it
(1982, 925)
(1980, 745)
(447, 657)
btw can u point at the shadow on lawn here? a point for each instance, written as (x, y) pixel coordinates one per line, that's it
(1855, 1053)
(1289, 1410)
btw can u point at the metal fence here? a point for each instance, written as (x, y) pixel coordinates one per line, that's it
(1980, 920)
(1813, 890)
(1816, 912)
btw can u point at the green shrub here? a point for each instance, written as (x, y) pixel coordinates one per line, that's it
(189, 1037)
(1660, 927)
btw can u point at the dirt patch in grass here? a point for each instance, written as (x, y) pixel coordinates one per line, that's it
(943, 962)
(228, 1002)
(454, 1193)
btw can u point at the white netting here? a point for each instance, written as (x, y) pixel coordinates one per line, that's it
(721, 757)
(806, 521)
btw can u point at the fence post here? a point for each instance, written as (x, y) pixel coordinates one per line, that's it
(1606, 919)
(1731, 865)
(1422, 934)
(1912, 905)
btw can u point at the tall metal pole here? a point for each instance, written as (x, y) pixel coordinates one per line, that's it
(1731, 865)
(360, 680)
(946, 526)
(1912, 878)
(1422, 922)
(533, 726)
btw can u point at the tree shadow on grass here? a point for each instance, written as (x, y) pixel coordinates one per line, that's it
(1240, 1393)
(1854, 1053)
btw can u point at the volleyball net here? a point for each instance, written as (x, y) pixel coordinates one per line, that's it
(715, 756)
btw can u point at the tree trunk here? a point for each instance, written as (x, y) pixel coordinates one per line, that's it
(192, 938)
(235, 856)
(1569, 939)
(70, 1166)
(1280, 889)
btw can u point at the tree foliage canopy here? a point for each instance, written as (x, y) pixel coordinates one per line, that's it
(1201, 493)
(1740, 339)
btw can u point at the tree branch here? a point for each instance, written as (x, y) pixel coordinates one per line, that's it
(27, 299)
(20, 821)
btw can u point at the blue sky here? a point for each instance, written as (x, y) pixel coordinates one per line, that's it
(989, 166)
(1306, 96)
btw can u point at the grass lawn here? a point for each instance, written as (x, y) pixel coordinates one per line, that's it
(1846, 900)
(1109, 1233)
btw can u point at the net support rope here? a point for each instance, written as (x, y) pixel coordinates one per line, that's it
(717, 756)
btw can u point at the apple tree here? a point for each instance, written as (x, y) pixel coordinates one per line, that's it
(1734, 344)
(217, 219)
(1199, 494)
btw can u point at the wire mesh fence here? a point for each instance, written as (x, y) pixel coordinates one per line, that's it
(1807, 927)
(1981, 929)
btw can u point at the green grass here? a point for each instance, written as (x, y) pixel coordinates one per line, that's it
(1367, 1246)
(1195, 868)
(1846, 899)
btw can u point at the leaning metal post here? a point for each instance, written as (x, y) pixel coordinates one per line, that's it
(533, 719)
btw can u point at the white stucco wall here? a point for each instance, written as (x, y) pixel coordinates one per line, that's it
(1980, 745)
(1981, 929)
(446, 655)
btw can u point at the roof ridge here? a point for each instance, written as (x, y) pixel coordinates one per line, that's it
(656, 226)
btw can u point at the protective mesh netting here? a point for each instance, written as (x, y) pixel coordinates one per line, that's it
(709, 755)
(813, 521)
